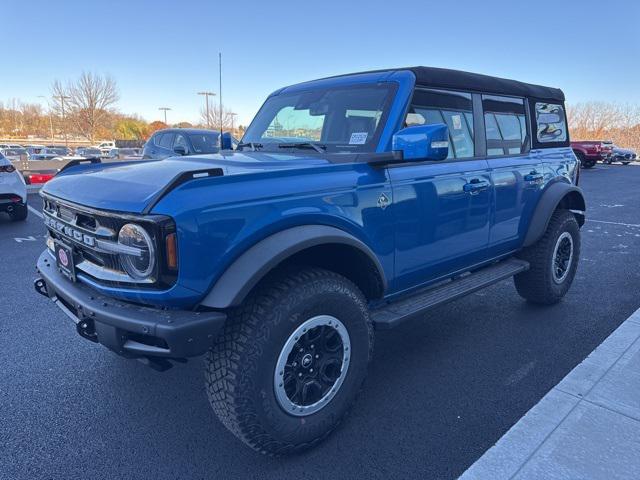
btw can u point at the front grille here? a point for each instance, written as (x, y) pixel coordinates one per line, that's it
(93, 235)
(84, 230)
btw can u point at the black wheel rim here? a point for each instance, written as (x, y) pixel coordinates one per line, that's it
(562, 257)
(312, 365)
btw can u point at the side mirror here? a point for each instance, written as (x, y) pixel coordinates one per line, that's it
(422, 142)
(225, 141)
(180, 150)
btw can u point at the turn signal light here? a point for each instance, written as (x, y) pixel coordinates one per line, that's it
(171, 248)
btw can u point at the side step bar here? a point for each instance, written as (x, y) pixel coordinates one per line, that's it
(391, 315)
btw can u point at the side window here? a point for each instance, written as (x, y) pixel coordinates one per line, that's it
(551, 122)
(167, 140)
(455, 109)
(180, 140)
(505, 125)
(157, 139)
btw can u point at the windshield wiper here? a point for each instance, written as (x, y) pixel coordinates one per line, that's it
(316, 146)
(254, 146)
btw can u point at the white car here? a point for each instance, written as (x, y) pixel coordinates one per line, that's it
(106, 147)
(13, 191)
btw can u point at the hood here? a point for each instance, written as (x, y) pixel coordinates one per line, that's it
(131, 186)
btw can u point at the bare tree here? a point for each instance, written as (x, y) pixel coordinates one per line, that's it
(88, 103)
(605, 121)
(214, 117)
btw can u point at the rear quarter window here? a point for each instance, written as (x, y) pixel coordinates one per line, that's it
(551, 122)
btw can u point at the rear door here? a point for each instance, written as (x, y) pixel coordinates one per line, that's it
(517, 173)
(442, 208)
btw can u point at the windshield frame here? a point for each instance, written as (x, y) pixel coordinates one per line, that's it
(332, 148)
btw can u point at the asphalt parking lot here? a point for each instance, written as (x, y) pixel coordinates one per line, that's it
(442, 389)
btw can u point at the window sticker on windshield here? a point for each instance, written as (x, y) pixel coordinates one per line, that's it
(457, 122)
(358, 138)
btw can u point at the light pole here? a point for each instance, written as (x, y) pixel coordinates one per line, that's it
(206, 99)
(50, 119)
(164, 109)
(62, 98)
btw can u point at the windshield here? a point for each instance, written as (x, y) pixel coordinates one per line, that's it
(341, 119)
(204, 142)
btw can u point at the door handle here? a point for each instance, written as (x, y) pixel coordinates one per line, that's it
(533, 177)
(475, 186)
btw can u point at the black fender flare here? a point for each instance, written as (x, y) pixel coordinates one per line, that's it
(257, 261)
(551, 198)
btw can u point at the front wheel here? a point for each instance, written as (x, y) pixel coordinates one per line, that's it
(553, 261)
(291, 361)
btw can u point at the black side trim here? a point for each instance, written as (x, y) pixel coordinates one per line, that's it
(550, 200)
(179, 180)
(247, 270)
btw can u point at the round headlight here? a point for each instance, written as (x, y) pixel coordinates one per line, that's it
(139, 262)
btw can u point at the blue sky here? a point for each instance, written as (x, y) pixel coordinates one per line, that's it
(162, 52)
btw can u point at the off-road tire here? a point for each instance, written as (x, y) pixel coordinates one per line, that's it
(19, 213)
(240, 367)
(537, 284)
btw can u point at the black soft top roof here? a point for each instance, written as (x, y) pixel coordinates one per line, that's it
(456, 79)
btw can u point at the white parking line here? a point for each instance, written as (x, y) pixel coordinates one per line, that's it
(34, 211)
(636, 225)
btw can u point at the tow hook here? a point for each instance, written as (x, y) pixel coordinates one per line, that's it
(86, 329)
(41, 287)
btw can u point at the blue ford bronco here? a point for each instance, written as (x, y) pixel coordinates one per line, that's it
(352, 203)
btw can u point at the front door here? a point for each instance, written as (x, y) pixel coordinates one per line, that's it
(442, 209)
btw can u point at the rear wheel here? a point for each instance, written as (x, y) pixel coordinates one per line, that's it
(291, 361)
(553, 261)
(583, 162)
(19, 213)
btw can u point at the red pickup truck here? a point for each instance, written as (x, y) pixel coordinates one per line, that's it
(590, 151)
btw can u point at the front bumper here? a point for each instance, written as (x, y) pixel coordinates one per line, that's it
(128, 329)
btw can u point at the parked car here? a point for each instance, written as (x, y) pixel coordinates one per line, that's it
(10, 145)
(13, 191)
(88, 152)
(14, 154)
(622, 155)
(40, 152)
(589, 151)
(395, 191)
(129, 153)
(111, 154)
(60, 150)
(180, 141)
